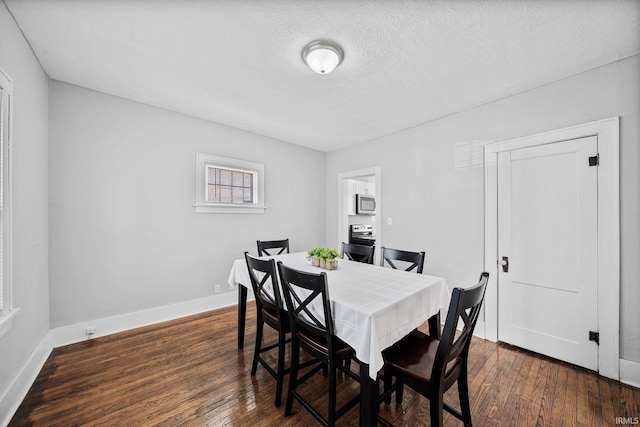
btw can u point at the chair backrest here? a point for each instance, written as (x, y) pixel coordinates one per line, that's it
(415, 258)
(307, 299)
(454, 348)
(264, 282)
(272, 245)
(359, 253)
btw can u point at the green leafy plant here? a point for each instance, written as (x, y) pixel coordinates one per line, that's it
(323, 253)
(329, 254)
(314, 253)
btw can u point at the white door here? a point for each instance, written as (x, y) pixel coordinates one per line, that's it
(547, 226)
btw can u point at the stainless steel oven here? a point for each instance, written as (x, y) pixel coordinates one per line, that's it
(361, 234)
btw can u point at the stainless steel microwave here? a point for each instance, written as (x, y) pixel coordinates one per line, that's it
(365, 204)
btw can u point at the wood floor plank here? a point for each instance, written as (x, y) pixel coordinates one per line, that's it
(530, 382)
(595, 406)
(558, 414)
(535, 397)
(584, 411)
(189, 372)
(548, 396)
(608, 411)
(630, 406)
(506, 378)
(514, 404)
(570, 408)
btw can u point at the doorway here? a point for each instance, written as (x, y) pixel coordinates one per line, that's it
(510, 306)
(346, 200)
(547, 243)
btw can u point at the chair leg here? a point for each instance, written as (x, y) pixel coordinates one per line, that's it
(387, 385)
(436, 408)
(280, 371)
(293, 376)
(331, 419)
(399, 390)
(463, 394)
(256, 351)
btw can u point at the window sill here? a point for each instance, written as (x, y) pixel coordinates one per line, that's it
(230, 209)
(6, 321)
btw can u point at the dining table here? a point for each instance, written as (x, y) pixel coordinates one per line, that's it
(372, 307)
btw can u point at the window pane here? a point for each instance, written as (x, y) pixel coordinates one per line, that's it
(225, 176)
(225, 194)
(213, 193)
(248, 195)
(211, 175)
(237, 179)
(248, 180)
(237, 194)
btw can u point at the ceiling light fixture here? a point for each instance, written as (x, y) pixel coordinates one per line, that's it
(322, 57)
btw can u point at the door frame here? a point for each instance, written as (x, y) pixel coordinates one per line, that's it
(343, 217)
(608, 133)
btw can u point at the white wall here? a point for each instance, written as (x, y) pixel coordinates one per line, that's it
(30, 235)
(124, 233)
(432, 178)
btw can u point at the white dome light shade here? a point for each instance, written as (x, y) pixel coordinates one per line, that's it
(322, 57)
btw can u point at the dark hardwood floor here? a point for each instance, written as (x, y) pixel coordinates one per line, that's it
(190, 372)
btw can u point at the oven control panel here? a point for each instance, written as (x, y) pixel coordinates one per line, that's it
(362, 228)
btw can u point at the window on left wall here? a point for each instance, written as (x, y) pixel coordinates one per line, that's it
(226, 185)
(7, 311)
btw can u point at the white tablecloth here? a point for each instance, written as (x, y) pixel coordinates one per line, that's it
(372, 306)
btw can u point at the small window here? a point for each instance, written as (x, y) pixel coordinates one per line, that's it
(225, 185)
(230, 185)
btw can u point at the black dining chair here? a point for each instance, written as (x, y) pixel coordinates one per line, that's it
(312, 331)
(415, 259)
(270, 311)
(431, 366)
(272, 247)
(358, 253)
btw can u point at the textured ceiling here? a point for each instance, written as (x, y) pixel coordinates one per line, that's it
(406, 62)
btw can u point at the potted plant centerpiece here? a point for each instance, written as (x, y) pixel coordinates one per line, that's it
(323, 258)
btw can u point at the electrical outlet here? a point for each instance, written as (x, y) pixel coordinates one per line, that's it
(91, 330)
(216, 289)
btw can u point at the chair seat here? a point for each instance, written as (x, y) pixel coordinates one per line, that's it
(270, 317)
(341, 349)
(414, 355)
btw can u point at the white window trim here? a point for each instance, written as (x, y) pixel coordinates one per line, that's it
(201, 204)
(7, 310)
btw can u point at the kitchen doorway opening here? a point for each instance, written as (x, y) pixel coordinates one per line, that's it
(365, 182)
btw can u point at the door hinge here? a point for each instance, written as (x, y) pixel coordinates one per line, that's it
(594, 336)
(594, 160)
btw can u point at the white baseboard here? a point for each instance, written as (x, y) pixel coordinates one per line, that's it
(15, 394)
(630, 372)
(70, 334)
